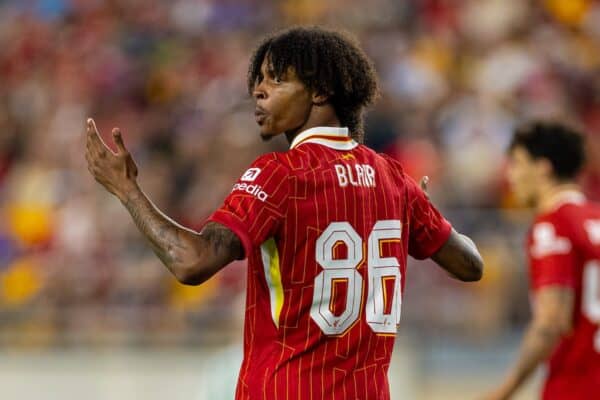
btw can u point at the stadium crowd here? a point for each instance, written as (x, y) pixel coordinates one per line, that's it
(456, 78)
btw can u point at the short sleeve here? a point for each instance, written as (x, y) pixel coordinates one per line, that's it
(551, 257)
(256, 206)
(428, 229)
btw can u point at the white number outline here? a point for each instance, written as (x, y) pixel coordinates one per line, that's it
(379, 269)
(333, 270)
(590, 298)
(590, 302)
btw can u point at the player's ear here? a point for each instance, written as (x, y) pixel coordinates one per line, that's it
(544, 168)
(320, 98)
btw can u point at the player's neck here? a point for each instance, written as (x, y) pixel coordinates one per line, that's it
(318, 117)
(552, 194)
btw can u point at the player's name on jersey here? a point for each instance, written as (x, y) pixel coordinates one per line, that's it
(356, 175)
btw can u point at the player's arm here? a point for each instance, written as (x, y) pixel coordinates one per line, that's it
(192, 257)
(458, 255)
(552, 319)
(460, 258)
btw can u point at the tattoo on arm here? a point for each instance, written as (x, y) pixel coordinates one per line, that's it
(222, 240)
(192, 257)
(165, 235)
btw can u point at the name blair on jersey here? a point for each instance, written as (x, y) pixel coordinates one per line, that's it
(362, 175)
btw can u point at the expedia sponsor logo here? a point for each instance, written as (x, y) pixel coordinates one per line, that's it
(250, 175)
(255, 190)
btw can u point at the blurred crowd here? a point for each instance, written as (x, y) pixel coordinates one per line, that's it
(456, 78)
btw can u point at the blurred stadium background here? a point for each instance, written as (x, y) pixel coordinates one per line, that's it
(86, 310)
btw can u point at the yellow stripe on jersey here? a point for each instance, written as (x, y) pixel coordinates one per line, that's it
(270, 259)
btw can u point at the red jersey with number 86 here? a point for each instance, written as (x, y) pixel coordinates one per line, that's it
(564, 250)
(326, 228)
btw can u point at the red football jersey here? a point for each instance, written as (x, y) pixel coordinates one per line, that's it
(564, 250)
(326, 228)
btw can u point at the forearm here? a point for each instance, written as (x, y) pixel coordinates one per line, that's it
(460, 258)
(192, 257)
(469, 242)
(469, 259)
(171, 242)
(537, 345)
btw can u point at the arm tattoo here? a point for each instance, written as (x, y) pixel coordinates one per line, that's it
(183, 251)
(164, 234)
(222, 240)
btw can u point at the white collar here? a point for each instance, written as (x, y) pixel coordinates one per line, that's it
(334, 137)
(566, 197)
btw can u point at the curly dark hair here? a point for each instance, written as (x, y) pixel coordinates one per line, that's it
(563, 146)
(326, 61)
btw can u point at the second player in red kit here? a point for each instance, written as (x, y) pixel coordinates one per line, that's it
(326, 227)
(563, 248)
(564, 251)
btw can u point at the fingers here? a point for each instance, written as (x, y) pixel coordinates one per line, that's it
(93, 135)
(116, 132)
(424, 182)
(96, 143)
(91, 125)
(92, 131)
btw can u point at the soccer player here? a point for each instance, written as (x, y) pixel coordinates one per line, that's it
(564, 265)
(326, 227)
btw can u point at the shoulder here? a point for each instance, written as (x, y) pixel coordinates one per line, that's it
(562, 217)
(266, 178)
(394, 168)
(266, 164)
(578, 221)
(402, 179)
(551, 222)
(550, 234)
(391, 162)
(272, 159)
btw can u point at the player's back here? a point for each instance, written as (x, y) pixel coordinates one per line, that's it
(326, 345)
(325, 284)
(565, 250)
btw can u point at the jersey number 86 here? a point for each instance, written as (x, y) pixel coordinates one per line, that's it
(381, 271)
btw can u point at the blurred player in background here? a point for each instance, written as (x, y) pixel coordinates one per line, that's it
(564, 260)
(326, 227)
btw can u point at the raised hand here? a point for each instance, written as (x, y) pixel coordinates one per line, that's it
(190, 256)
(116, 171)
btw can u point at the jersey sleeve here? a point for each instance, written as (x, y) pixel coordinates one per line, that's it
(256, 206)
(428, 229)
(552, 259)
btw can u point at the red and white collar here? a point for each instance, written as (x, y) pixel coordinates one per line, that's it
(333, 137)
